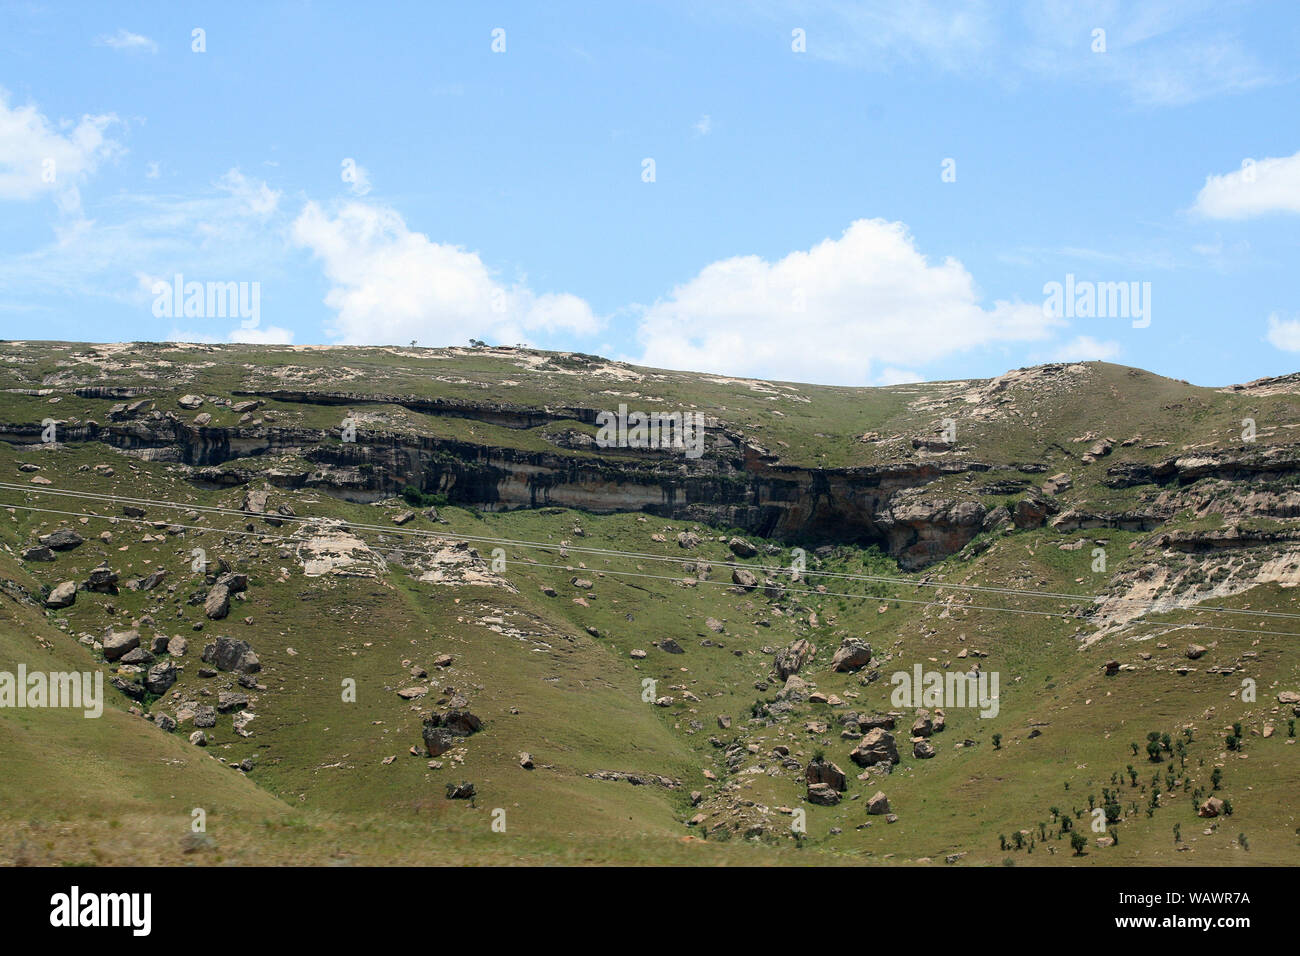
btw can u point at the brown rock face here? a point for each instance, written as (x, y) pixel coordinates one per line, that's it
(1212, 807)
(853, 654)
(921, 531)
(877, 746)
(823, 795)
(790, 660)
(823, 771)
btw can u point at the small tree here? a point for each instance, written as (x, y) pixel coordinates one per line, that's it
(1078, 842)
(997, 741)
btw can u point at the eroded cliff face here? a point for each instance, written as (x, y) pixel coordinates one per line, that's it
(735, 484)
(732, 485)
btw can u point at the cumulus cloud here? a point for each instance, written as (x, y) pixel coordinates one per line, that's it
(249, 332)
(128, 42)
(391, 284)
(253, 196)
(1084, 348)
(1284, 333)
(830, 313)
(1258, 188)
(39, 158)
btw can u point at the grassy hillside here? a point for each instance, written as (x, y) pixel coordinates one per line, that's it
(555, 668)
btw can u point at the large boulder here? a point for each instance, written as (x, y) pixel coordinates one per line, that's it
(118, 643)
(823, 771)
(442, 732)
(63, 595)
(923, 726)
(745, 578)
(39, 553)
(1212, 807)
(62, 540)
(877, 746)
(230, 655)
(742, 548)
(102, 580)
(1030, 512)
(823, 795)
(159, 678)
(793, 658)
(217, 604)
(152, 580)
(853, 654)
(878, 805)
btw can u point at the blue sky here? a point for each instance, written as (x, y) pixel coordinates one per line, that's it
(888, 203)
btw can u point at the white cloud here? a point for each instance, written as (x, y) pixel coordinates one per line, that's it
(1158, 52)
(229, 233)
(390, 284)
(1284, 333)
(1258, 188)
(124, 39)
(248, 333)
(152, 170)
(1084, 348)
(704, 125)
(40, 158)
(255, 197)
(828, 314)
(898, 376)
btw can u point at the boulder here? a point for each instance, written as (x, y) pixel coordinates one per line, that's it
(63, 595)
(742, 548)
(62, 540)
(922, 749)
(217, 604)
(745, 578)
(1212, 807)
(118, 643)
(875, 747)
(823, 771)
(792, 658)
(152, 580)
(823, 795)
(1195, 651)
(923, 726)
(159, 678)
(102, 580)
(853, 654)
(40, 553)
(229, 655)
(228, 700)
(878, 805)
